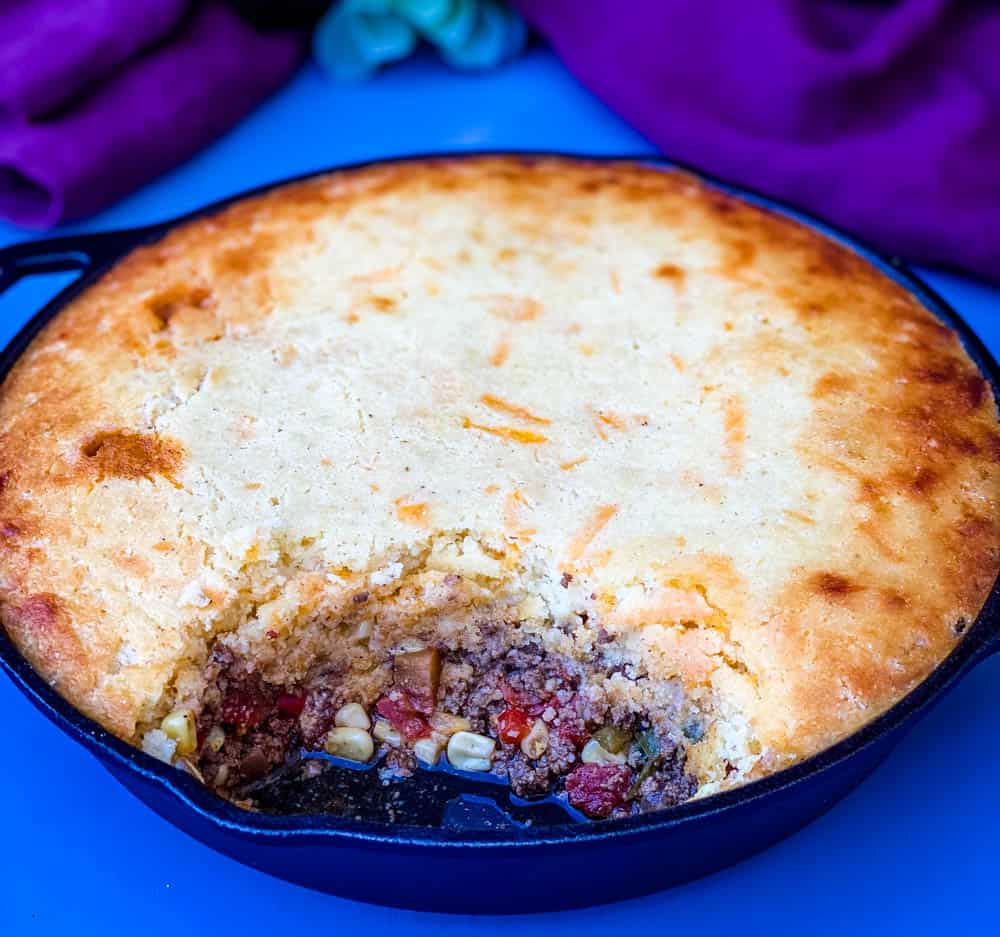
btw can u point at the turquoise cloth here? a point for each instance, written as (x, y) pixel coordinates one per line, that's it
(355, 37)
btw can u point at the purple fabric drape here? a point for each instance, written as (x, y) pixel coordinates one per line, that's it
(52, 50)
(882, 117)
(99, 96)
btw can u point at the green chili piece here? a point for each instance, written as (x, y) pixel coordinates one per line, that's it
(647, 743)
(650, 748)
(613, 739)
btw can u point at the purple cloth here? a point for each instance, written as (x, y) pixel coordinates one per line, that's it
(51, 50)
(883, 118)
(151, 112)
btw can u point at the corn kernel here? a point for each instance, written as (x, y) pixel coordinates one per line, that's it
(428, 750)
(384, 732)
(536, 742)
(353, 715)
(469, 751)
(349, 742)
(156, 743)
(181, 727)
(362, 632)
(594, 753)
(216, 738)
(447, 724)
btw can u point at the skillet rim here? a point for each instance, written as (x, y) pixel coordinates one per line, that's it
(96, 253)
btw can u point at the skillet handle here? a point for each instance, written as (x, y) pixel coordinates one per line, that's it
(56, 255)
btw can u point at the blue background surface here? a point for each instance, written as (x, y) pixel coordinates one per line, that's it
(913, 851)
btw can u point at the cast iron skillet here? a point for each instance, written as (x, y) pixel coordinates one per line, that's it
(484, 853)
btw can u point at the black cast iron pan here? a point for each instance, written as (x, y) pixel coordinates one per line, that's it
(461, 844)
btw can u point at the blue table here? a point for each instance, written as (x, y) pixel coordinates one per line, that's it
(913, 851)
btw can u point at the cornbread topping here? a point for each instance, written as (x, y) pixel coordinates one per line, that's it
(585, 474)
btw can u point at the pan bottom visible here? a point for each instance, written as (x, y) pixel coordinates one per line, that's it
(519, 878)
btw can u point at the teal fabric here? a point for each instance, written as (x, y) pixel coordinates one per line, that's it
(356, 37)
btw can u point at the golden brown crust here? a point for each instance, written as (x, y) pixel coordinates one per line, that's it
(881, 539)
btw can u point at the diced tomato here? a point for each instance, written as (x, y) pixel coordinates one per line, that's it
(513, 725)
(532, 704)
(598, 789)
(291, 705)
(404, 718)
(245, 709)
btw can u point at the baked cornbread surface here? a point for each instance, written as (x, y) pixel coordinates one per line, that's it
(615, 403)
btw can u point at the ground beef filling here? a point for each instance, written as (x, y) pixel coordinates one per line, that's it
(538, 719)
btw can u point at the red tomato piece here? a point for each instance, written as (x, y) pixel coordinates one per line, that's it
(291, 705)
(513, 725)
(598, 789)
(525, 700)
(403, 717)
(245, 709)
